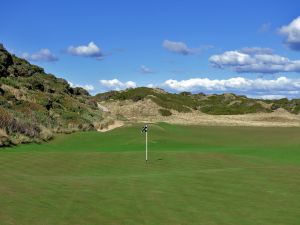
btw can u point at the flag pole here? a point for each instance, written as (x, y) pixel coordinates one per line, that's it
(145, 129)
(146, 146)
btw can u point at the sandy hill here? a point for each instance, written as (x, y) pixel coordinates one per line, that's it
(154, 105)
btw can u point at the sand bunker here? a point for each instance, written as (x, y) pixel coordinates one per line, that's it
(112, 126)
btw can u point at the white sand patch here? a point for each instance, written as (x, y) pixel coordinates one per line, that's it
(103, 108)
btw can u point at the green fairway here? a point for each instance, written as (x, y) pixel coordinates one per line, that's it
(196, 175)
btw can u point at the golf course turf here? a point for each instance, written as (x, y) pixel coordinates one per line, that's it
(195, 175)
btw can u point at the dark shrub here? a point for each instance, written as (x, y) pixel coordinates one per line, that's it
(37, 85)
(49, 105)
(165, 112)
(275, 106)
(79, 91)
(1, 91)
(5, 61)
(51, 91)
(136, 98)
(185, 93)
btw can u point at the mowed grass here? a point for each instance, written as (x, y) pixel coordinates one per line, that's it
(196, 175)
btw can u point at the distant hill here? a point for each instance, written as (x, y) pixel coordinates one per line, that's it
(34, 105)
(223, 104)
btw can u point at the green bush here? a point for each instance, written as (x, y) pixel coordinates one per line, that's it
(9, 81)
(185, 93)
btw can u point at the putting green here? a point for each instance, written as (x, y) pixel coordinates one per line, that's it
(196, 175)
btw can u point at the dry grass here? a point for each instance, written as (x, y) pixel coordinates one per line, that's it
(3, 137)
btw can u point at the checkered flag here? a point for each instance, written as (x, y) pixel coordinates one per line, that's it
(145, 129)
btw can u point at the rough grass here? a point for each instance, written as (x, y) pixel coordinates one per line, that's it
(196, 175)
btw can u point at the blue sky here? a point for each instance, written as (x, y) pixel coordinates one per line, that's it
(250, 48)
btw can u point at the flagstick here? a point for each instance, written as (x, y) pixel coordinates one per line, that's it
(146, 146)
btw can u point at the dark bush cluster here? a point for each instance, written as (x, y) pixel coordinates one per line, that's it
(78, 91)
(5, 61)
(36, 85)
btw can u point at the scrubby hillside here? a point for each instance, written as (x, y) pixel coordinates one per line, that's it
(34, 105)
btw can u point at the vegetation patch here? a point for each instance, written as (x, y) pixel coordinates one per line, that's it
(165, 112)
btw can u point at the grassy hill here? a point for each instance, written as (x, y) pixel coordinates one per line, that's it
(34, 104)
(223, 104)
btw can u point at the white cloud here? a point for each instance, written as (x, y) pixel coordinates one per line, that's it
(115, 84)
(271, 97)
(177, 47)
(87, 87)
(90, 50)
(231, 58)
(145, 69)
(281, 86)
(43, 54)
(255, 60)
(150, 85)
(292, 34)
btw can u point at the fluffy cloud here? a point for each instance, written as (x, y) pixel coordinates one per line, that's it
(115, 84)
(292, 34)
(87, 87)
(90, 50)
(177, 47)
(281, 86)
(255, 60)
(150, 85)
(43, 54)
(145, 69)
